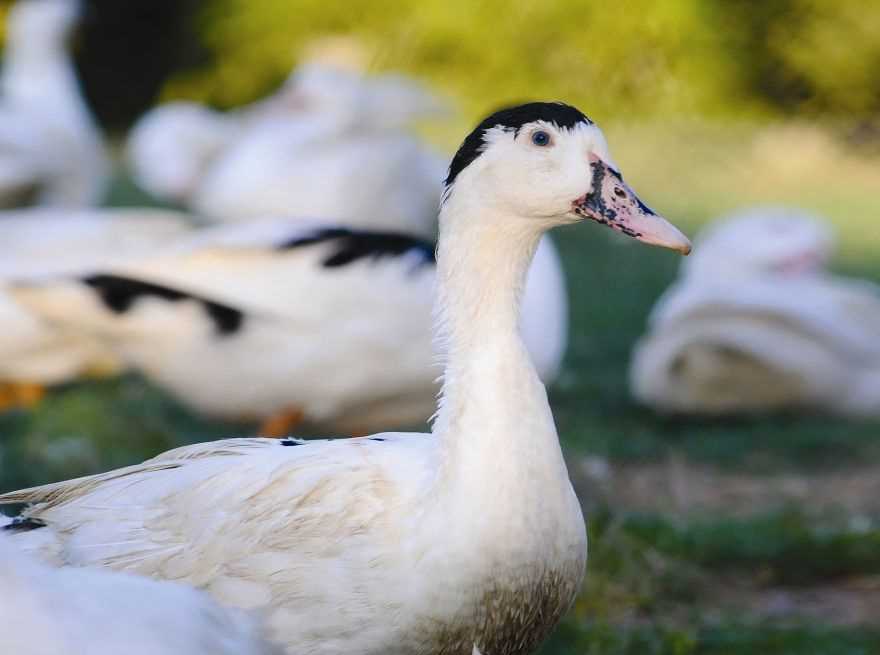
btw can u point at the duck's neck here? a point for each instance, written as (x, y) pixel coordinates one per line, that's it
(494, 418)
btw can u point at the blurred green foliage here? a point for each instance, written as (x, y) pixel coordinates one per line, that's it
(630, 58)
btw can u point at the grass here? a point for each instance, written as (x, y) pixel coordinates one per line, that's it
(728, 638)
(658, 583)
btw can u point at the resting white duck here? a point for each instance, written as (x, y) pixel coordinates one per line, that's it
(755, 324)
(41, 241)
(343, 158)
(468, 537)
(78, 611)
(51, 152)
(279, 322)
(221, 164)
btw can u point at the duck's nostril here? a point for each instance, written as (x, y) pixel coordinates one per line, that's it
(619, 192)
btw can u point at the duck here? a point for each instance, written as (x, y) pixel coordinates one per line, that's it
(467, 538)
(72, 611)
(51, 150)
(50, 241)
(237, 165)
(756, 324)
(343, 156)
(244, 322)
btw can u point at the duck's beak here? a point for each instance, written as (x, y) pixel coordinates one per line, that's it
(612, 203)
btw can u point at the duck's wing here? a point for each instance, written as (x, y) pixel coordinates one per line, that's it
(47, 241)
(728, 362)
(303, 276)
(828, 309)
(211, 514)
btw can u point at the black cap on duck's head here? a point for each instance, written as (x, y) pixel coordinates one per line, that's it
(548, 161)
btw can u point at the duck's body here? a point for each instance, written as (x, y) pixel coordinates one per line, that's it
(51, 152)
(808, 344)
(40, 242)
(392, 521)
(469, 537)
(251, 322)
(90, 612)
(319, 169)
(755, 324)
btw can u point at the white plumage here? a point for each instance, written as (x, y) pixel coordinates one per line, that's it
(755, 323)
(348, 346)
(51, 152)
(469, 536)
(41, 241)
(76, 611)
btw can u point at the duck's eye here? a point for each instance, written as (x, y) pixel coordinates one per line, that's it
(540, 138)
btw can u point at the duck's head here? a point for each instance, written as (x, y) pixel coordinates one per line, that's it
(42, 22)
(547, 164)
(761, 241)
(172, 146)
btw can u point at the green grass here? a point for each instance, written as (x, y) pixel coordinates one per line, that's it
(96, 426)
(728, 638)
(779, 548)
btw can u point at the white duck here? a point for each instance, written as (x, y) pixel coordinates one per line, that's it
(78, 611)
(755, 323)
(41, 241)
(51, 152)
(343, 158)
(223, 165)
(279, 322)
(469, 536)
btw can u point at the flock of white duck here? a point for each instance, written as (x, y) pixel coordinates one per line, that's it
(300, 282)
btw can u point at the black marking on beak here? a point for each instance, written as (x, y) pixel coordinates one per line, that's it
(601, 212)
(594, 199)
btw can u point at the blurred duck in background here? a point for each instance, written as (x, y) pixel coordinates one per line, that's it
(756, 323)
(331, 144)
(41, 241)
(51, 152)
(81, 611)
(345, 157)
(244, 322)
